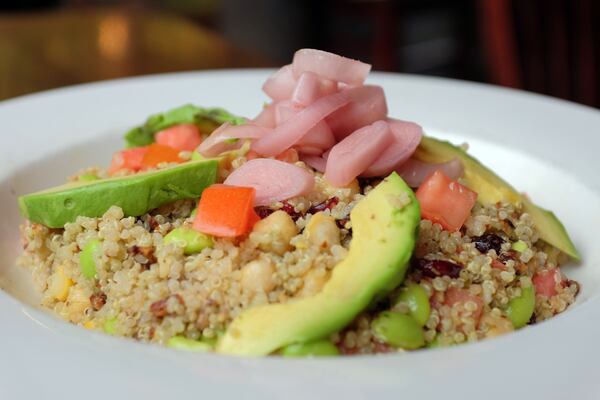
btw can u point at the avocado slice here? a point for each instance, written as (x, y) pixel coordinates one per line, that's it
(384, 234)
(207, 119)
(492, 189)
(135, 194)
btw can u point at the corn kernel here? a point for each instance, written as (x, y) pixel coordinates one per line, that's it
(59, 284)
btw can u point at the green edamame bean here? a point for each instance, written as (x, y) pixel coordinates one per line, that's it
(110, 326)
(197, 156)
(183, 343)
(434, 344)
(192, 240)
(88, 178)
(318, 348)
(87, 262)
(418, 302)
(519, 246)
(520, 309)
(398, 330)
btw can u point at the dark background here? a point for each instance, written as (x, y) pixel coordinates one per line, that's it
(547, 46)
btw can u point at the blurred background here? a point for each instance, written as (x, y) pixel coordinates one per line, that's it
(545, 46)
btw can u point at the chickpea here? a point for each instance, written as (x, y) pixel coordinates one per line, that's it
(314, 281)
(322, 230)
(78, 302)
(273, 234)
(257, 276)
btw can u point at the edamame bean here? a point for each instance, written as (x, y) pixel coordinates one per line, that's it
(197, 156)
(87, 262)
(192, 240)
(183, 343)
(434, 344)
(110, 326)
(418, 302)
(318, 348)
(520, 309)
(519, 246)
(398, 330)
(88, 178)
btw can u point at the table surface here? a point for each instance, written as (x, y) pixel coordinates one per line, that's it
(51, 49)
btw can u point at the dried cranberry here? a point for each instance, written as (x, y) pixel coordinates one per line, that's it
(341, 223)
(290, 210)
(435, 268)
(98, 300)
(364, 182)
(263, 212)
(382, 348)
(532, 320)
(159, 308)
(487, 242)
(326, 205)
(508, 255)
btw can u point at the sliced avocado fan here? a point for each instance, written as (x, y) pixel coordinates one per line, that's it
(384, 226)
(135, 194)
(491, 189)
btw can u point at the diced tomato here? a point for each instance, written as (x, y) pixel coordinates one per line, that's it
(455, 295)
(159, 153)
(288, 156)
(545, 282)
(251, 155)
(183, 137)
(130, 159)
(226, 211)
(499, 265)
(445, 201)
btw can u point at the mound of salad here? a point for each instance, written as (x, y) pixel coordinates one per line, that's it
(321, 227)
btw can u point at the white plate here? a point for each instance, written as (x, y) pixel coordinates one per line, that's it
(544, 146)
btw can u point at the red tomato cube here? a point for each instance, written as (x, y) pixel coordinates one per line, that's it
(445, 201)
(130, 159)
(183, 137)
(545, 282)
(226, 211)
(461, 296)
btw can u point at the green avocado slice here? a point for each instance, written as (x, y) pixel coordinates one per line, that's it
(135, 194)
(205, 118)
(492, 189)
(384, 234)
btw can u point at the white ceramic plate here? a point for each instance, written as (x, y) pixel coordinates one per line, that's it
(546, 147)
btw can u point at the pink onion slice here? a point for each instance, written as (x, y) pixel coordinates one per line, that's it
(317, 162)
(308, 150)
(281, 84)
(225, 137)
(318, 137)
(310, 87)
(407, 136)
(350, 157)
(414, 171)
(317, 140)
(330, 66)
(285, 110)
(273, 180)
(291, 131)
(266, 117)
(367, 105)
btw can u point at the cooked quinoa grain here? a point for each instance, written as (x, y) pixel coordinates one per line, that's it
(151, 291)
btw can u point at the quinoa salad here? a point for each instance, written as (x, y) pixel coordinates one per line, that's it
(321, 227)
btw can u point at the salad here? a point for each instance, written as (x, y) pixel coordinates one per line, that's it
(324, 226)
